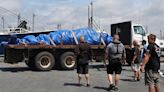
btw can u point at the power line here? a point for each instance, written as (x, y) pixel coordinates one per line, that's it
(13, 13)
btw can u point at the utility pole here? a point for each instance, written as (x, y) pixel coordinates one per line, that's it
(33, 21)
(18, 19)
(91, 15)
(146, 28)
(3, 23)
(160, 34)
(58, 26)
(89, 23)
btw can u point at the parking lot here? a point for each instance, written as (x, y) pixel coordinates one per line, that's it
(19, 78)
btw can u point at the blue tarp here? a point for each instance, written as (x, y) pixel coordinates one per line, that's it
(107, 39)
(90, 35)
(66, 37)
(43, 38)
(30, 39)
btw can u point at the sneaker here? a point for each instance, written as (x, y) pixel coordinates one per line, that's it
(138, 79)
(115, 88)
(88, 85)
(111, 87)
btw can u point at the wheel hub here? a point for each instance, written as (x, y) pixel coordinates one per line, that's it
(45, 62)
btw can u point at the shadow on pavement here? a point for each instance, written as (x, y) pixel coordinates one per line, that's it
(102, 88)
(130, 80)
(14, 69)
(98, 67)
(129, 70)
(72, 84)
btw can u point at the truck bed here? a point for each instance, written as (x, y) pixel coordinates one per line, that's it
(50, 46)
(17, 53)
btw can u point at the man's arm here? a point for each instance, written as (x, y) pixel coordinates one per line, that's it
(145, 61)
(106, 56)
(106, 52)
(147, 56)
(90, 53)
(77, 51)
(124, 55)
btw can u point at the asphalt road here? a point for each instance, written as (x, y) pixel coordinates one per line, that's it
(19, 78)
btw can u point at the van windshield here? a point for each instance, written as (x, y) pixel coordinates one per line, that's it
(139, 30)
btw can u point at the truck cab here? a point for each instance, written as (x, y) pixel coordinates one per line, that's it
(129, 32)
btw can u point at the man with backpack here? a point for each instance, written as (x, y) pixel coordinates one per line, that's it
(115, 53)
(83, 55)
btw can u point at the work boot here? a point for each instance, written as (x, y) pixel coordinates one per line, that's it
(111, 87)
(115, 88)
(88, 85)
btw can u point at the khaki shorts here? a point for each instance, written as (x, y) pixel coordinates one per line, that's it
(151, 77)
(136, 67)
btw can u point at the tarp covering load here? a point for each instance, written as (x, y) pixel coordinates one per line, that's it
(62, 36)
(66, 37)
(90, 35)
(106, 38)
(30, 39)
(43, 38)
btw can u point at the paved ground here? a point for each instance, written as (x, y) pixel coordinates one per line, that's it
(19, 78)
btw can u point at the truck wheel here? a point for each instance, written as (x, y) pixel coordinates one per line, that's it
(44, 61)
(67, 61)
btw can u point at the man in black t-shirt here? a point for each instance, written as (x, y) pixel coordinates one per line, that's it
(83, 55)
(151, 63)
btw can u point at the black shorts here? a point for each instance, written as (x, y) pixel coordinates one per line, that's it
(114, 66)
(82, 68)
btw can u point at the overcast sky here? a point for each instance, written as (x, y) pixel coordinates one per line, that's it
(73, 13)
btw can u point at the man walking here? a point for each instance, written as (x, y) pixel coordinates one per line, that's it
(83, 55)
(151, 63)
(116, 54)
(136, 61)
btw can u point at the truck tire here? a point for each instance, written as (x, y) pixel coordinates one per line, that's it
(44, 61)
(67, 61)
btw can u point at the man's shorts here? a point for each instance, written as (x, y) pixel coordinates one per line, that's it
(114, 66)
(136, 67)
(82, 68)
(151, 77)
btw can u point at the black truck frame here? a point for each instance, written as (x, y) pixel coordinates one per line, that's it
(47, 57)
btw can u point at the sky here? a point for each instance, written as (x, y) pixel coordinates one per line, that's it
(72, 14)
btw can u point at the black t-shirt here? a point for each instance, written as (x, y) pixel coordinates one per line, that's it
(154, 60)
(83, 52)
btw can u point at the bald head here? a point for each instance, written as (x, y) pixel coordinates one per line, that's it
(81, 38)
(116, 37)
(135, 42)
